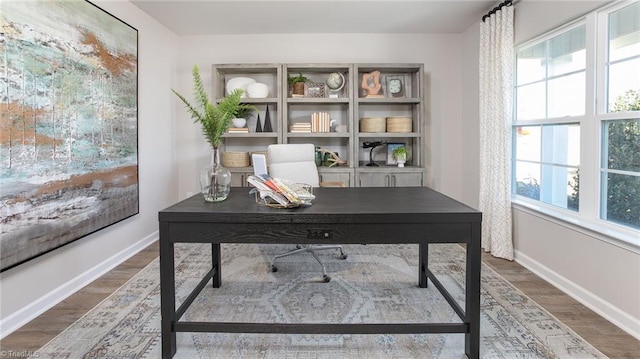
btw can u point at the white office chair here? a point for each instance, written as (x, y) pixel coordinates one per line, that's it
(296, 162)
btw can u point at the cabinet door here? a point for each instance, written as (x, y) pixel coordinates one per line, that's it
(239, 179)
(373, 180)
(405, 180)
(396, 179)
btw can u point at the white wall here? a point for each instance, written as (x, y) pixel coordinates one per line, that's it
(603, 276)
(38, 284)
(441, 55)
(470, 164)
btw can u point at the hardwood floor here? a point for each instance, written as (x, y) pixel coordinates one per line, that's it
(605, 336)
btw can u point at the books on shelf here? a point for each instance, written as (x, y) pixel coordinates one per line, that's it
(320, 122)
(238, 130)
(300, 127)
(285, 193)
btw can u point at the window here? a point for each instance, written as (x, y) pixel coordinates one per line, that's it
(620, 172)
(550, 92)
(557, 110)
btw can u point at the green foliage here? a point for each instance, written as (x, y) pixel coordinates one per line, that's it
(630, 101)
(400, 151)
(623, 150)
(214, 119)
(299, 78)
(623, 138)
(573, 201)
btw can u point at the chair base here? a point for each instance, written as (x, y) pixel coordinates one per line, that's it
(311, 250)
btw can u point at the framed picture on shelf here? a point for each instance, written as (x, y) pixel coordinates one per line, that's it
(315, 89)
(395, 86)
(391, 161)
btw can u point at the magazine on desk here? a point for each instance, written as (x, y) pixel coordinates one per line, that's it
(285, 193)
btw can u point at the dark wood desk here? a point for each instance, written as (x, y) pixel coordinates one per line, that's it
(348, 215)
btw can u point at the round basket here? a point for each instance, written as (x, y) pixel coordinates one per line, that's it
(235, 159)
(399, 124)
(372, 124)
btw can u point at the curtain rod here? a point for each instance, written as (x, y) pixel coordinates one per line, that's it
(497, 8)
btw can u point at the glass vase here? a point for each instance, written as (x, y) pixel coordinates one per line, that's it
(215, 179)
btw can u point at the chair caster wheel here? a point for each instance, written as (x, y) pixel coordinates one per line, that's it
(344, 256)
(274, 268)
(326, 278)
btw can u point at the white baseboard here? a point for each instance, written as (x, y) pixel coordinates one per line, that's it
(607, 310)
(46, 302)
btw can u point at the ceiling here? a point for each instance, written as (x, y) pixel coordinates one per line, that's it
(218, 17)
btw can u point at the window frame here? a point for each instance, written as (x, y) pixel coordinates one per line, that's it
(587, 218)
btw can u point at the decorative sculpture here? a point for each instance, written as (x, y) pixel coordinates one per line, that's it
(334, 159)
(371, 84)
(258, 125)
(267, 122)
(372, 145)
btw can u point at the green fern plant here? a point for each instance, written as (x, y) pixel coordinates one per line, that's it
(214, 119)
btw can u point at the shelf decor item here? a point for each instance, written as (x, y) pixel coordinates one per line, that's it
(395, 88)
(335, 83)
(297, 84)
(258, 125)
(396, 154)
(371, 84)
(267, 122)
(399, 124)
(258, 90)
(372, 146)
(239, 122)
(235, 159)
(315, 89)
(239, 83)
(215, 120)
(372, 124)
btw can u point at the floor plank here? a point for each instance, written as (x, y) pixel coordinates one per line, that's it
(603, 335)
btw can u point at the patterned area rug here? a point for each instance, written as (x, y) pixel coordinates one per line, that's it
(376, 284)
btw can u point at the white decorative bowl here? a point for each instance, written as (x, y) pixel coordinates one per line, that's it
(239, 83)
(239, 122)
(257, 90)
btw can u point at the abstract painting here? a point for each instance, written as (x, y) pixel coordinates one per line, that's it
(69, 125)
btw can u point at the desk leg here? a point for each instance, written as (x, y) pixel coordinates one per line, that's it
(472, 300)
(216, 262)
(424, 264)
(167, 292)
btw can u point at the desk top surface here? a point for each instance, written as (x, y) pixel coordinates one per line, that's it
(338, 205)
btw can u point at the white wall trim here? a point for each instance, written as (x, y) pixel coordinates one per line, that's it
(607, 310)
(46, 302)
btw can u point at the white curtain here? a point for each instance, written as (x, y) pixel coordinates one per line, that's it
(496, 109)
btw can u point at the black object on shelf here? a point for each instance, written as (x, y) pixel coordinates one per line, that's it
(372, 145)
(258, 124)
(267, 122)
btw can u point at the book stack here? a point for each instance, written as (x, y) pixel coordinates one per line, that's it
(283, 192)
(300, 127)
(320, 122)
(238, 130)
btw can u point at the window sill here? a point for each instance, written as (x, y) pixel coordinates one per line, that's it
(616, 235)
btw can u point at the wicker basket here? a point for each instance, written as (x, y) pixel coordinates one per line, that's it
(399, 124)
(372, 124)
(235, 159)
